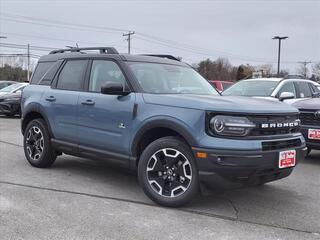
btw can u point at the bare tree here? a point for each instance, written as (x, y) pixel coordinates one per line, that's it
(220, 69)
(303, 70)
(316, 71)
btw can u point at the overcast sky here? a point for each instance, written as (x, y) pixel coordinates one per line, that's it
(195, 30)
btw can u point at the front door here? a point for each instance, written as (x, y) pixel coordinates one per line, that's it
(105, 120)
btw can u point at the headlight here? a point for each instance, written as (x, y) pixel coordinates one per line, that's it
(230, 126)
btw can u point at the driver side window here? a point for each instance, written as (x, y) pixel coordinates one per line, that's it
(287, 87)
(104, 71)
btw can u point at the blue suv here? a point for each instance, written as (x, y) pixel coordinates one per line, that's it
(156, 115)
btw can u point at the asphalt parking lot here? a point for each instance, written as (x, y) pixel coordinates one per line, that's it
(83, 199)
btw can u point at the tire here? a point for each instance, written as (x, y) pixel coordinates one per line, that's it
(37, 145)
(308, 151)
(168, 173)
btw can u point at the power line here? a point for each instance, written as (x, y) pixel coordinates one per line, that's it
(18, 55)
(57, 22)
(207, 53)
(158, 40)
(60, 39)
(142, 36)
(22, 46)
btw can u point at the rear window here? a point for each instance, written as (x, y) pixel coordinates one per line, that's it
(50, 74)
(41, 69)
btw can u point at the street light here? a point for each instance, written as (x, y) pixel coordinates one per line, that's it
(279, 38)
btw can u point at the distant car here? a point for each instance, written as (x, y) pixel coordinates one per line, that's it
(10, 99)
(310, 121)
(4, 84)
(14, 88)
(288, 90)
(221, 85)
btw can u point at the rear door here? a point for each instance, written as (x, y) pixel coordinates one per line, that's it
(61, 100)
(105, 120)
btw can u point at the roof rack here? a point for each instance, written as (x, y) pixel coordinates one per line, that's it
(102, 50)
(162, 56)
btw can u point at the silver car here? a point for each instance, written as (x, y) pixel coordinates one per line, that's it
(283, 89)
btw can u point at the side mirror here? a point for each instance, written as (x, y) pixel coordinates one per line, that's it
(19, 91)
(286, 95)
(114, 88)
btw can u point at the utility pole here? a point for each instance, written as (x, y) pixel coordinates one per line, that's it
(279, 49)
(129, 39)
(28, 57)
(305, 69)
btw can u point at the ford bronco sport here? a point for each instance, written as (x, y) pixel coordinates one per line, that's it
(310, 122)
(157, 115)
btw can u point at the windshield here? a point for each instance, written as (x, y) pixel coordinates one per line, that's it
(251, 88)
(165, 78)
(11, 87)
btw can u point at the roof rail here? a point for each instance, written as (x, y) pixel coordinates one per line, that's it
(102, 50)
(162, 56)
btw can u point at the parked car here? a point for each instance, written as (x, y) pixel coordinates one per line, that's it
(4, 84)
(283, 89)
(14, 88)
(10, 102)
(221, 85)
(159, 117)
(310, 121)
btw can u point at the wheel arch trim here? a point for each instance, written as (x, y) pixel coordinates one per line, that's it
(35, 108)
(162, 122)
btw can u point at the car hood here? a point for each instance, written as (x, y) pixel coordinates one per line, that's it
(313, 104)
(220, 103)
(10, 95)
(4, 93)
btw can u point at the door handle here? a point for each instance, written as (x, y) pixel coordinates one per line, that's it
(50, 99)
(88, 102)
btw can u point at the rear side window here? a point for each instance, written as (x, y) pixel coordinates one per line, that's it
(304, 90)
(40, 71)
(314, 88)
(72, 75)
(48, 77)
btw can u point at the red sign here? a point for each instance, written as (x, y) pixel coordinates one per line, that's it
(287, 159)
(314, 134)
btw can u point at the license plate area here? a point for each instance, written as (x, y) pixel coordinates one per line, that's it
(287, 159)
(314, 134)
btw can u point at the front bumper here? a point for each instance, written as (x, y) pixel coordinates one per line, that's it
(10, 107)
(227, 169)
(311, 143)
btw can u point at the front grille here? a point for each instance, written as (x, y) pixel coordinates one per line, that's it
(283, 144)
(258, 120)
(309, 118)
